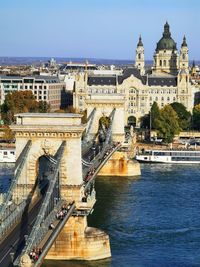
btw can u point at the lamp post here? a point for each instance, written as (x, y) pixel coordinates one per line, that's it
(150, 125)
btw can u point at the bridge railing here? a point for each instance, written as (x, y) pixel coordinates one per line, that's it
(20, 165)
(45, 208)
(54, 233)
(99, 162)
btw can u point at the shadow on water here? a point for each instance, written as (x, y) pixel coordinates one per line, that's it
(100, 263)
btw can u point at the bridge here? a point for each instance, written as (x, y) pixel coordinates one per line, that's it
(44, 213)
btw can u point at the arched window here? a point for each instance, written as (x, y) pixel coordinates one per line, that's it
(160, 62)
(183, 56)
(164, 63)
(139, 56)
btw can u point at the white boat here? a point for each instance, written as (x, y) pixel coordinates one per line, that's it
(169, 156)
(7, 155)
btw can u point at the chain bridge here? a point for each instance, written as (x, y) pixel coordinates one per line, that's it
(44, 213)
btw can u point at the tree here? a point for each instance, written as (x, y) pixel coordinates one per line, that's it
(184, 116)
(8, 134)
(167, 124)
(19, 102)
(43, 107)
(154, 115)
(196, 117)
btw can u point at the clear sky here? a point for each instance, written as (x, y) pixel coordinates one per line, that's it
(95, 28)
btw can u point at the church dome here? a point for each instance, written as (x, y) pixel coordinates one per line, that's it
(166, 42)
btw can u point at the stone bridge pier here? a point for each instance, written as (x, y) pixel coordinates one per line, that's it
(47, 131)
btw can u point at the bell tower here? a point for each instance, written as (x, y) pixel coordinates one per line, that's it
(139, 59)
(184, 59)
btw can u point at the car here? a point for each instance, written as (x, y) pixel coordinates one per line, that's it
(156, 140)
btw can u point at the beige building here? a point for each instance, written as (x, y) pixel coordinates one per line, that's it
(167, 82)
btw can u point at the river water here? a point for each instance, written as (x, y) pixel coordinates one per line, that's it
(152, 220)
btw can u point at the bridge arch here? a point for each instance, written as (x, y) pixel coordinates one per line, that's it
(131, 121)
(104, 108)
(47, 132)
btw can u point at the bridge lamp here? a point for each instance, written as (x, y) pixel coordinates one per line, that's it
(55, 201)
(12, 256)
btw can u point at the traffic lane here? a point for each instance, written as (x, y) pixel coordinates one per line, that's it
(15, 240)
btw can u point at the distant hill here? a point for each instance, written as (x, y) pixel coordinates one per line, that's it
(5, 61)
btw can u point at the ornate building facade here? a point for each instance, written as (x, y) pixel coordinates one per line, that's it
(168, 81)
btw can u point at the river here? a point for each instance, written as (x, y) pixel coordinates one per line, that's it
(152, 220)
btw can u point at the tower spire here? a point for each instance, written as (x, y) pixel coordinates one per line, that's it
(166, 33)
(140, 41)
(184, 41)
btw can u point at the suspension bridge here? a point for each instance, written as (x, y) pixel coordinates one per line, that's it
(44, 213)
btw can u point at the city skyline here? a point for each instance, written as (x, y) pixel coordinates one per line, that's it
(94, 29)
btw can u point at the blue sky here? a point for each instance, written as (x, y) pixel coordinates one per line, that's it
(95, 28)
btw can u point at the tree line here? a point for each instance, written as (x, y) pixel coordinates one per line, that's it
(20, 102)
(171, 119)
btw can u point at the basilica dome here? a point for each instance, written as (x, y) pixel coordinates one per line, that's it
(166, 42)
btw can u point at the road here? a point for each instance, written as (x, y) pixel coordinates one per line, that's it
(14, 242)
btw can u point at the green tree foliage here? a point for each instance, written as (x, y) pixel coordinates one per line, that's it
(184, 116)
(21, 101)
(167, 123)
(154, 115)
(196, 117)
(43, 107)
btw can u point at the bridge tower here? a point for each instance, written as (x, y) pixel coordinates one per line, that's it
(104, 105)
(46, 133)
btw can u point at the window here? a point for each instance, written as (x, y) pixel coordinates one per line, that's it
(164, 63)
(5, 153)
(161, 63)
(139, 56)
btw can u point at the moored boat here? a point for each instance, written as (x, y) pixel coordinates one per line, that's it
(169, 156)
(7, 155)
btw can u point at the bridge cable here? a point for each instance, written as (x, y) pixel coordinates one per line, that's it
(20, 165)
(40, 217)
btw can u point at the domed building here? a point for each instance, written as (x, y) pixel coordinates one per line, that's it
(166, 54)
(166, 82)
(167, 59)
